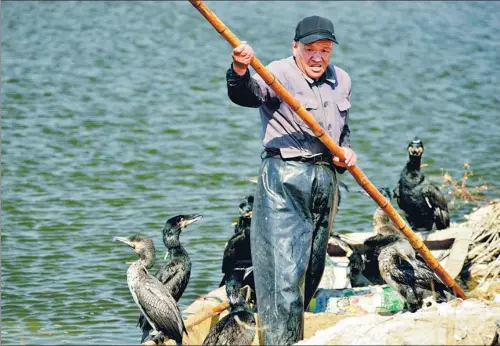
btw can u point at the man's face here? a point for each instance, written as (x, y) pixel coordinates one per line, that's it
(313, 58)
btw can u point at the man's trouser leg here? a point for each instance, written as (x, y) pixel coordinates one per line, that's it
(323, 217)
(290, 196)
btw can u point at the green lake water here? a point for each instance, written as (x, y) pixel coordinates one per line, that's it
(115, 117)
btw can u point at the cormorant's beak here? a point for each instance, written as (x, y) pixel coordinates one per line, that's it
(245, 292)
(412, 262)
(124, 240)
(191, 219)
(166, 255)
(348, 251)
(415, 151)
(243, 214)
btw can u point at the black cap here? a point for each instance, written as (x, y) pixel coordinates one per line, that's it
(314, 28)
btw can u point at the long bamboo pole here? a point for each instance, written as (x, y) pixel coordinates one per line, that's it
(356, 172)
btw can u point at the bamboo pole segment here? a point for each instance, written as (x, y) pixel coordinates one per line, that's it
(356, 172)
(206, 313)
(196, 319)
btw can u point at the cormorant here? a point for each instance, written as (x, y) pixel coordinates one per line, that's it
(237, 327)
(175, 273)
(356, 263)
(421, 201)
(368, 261)
(409, 275)
(237, 253)
(363, 267)
(373, 246)
(245, 210)
(151, 296)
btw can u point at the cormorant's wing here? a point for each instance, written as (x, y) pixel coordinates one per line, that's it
(405, 273)
(395, 193)
(427, 279)
(175, 276)
(230, 252)
(232, 329)
(161, 308)
(216, 336)
(168, 271)
(436, 201)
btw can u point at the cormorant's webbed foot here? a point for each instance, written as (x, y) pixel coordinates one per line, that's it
(158, 338)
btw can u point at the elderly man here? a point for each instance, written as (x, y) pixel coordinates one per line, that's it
(297, 190)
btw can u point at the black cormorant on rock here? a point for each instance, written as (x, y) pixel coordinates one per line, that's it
(175, 273)
(408, 274)
(421, 201)
(237, 327)
(151, 296)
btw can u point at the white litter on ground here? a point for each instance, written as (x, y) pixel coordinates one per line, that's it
(469, 322)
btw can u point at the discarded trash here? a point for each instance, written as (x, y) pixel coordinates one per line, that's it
(468, 322)
(357, 301)
(335, 275)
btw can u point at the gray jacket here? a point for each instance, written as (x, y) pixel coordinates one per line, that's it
(327, 99)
